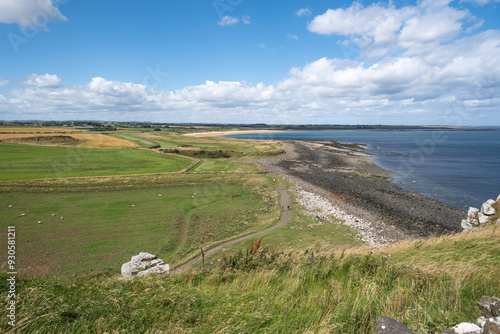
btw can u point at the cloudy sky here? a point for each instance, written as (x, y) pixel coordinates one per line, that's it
(432, 62)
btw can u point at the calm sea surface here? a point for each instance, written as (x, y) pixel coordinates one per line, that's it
(460, 168)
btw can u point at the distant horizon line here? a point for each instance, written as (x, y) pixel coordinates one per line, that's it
(248, 124)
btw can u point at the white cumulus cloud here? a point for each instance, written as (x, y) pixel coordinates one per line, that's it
(43, 80)
(381, 28)
(480, 2)
(30, 13)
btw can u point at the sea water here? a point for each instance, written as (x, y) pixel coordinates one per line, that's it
(457, 167)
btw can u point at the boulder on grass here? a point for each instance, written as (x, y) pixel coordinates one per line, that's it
(144, 264)
(464, 328)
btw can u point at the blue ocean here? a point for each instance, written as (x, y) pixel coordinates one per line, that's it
(457, 167)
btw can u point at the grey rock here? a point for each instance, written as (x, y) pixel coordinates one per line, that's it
(489, 306)
(464, 328)
(487, 209)
(498, 198)
(386, 325)
(490, 325)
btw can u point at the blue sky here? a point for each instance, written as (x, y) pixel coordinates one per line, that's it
(331, 62)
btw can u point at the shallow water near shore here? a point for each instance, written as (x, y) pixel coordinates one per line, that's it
(459, 168)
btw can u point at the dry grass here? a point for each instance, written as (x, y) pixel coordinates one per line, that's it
(92, 140)
(96, 140)
(36, 129)
(443, 255)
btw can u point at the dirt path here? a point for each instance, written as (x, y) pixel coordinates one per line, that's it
(285, 217)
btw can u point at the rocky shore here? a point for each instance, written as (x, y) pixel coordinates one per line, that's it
(345, 180)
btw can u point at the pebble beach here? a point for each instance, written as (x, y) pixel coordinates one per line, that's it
(332, 180)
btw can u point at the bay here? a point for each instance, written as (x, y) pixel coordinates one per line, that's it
(457, 167)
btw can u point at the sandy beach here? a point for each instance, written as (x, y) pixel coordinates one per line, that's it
(225, 133)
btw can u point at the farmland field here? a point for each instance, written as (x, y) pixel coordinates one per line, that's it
(88, 140)
(20, 162)
(102, 226)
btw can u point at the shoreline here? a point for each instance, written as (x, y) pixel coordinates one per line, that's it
(333, 180)
(233, 132)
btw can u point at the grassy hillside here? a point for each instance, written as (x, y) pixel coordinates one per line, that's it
(279, 293)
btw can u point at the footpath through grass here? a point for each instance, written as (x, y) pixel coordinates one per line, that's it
(276, 293)
(23, 162)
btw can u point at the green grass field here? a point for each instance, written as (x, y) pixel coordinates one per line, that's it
(21, 162)
(224, 165)
(104, 226)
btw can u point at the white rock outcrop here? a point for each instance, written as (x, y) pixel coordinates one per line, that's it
(472, 219)
(479, 218)
(487, 209)
(144, 264)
